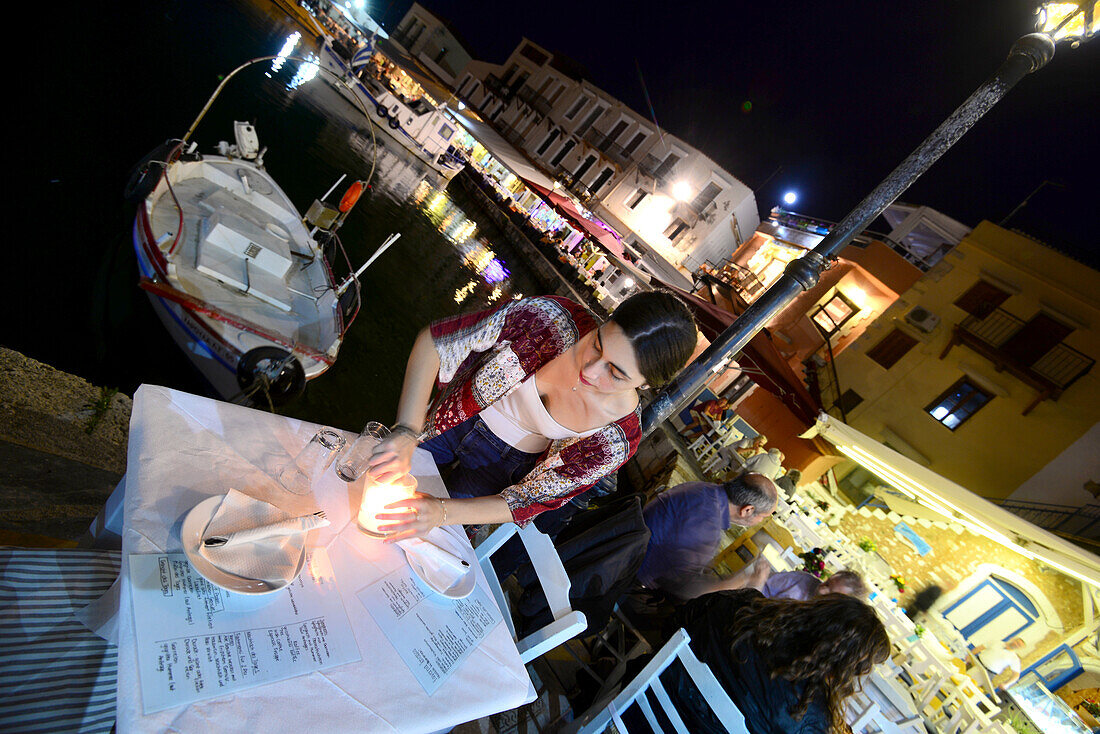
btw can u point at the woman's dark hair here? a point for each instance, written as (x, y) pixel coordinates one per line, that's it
(826, 644)
(662, 331)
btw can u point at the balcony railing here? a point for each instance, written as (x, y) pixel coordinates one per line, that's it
(497, 86)
(1082, 522)
(511, 134)
(1050, 375)
(600, 141)
(534, 100)
(818, 228)
(658, 169)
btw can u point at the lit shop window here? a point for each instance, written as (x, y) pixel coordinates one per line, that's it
(957, 403)
(834, 313)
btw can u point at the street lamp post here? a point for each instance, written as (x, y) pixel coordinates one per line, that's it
(1057, 21)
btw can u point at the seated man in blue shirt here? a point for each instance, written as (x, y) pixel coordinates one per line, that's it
(686, 524)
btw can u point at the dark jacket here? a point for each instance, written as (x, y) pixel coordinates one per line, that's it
(764, 701)
(601, 549)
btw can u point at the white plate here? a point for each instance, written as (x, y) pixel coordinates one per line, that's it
(461, 548)
(194, 526)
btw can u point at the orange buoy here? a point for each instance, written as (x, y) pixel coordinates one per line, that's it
(351, 196)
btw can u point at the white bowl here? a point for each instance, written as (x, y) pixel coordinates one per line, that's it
(194, 526)
(461, 548)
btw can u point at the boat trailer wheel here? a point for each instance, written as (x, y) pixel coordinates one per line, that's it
(271, 370)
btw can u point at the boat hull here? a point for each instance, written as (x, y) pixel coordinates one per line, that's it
(213, 347)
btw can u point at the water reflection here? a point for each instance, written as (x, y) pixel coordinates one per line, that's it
(306, 71)
(459, 230)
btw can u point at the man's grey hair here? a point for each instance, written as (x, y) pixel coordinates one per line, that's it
(749, 488)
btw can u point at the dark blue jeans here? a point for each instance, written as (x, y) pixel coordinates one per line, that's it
(475, 462)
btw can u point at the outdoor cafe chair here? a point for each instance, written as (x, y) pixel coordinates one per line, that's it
(600, 717)
(567, 623)
(56, 674)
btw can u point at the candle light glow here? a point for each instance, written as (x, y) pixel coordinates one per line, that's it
(375, 498)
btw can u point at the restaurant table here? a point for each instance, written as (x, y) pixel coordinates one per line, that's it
(183, 449)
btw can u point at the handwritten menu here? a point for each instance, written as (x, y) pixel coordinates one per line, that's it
(432, 633)
(197, 641)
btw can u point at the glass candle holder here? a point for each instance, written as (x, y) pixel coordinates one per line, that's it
(353, 462)
(376, 496)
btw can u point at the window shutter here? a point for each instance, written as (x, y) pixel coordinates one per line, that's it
(982, 299)
(893, 347)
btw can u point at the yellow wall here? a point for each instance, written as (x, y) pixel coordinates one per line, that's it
(997, 449)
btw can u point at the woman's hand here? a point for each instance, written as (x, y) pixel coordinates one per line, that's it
(392, 457)
(412, 518)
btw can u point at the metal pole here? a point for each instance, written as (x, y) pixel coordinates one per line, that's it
(1028, 54)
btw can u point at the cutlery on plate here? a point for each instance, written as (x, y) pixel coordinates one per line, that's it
(284, 527)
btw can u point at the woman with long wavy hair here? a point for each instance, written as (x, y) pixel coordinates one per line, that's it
(788, 665)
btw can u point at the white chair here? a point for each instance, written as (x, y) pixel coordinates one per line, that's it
(548, 567)
(648, 680)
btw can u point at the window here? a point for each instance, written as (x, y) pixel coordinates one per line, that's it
(605, 174)
(530, 52)
(595, 115)
(560, 156)
(848, 401)
(834, 313)
(636, 198)
(577, 106)
(982, 299)
(446, 131)
(957, 403)
(579, 173)
(676, 229)
(548, 142)
(632, 146)
(616, 131)
(893, 347)
(705, 197)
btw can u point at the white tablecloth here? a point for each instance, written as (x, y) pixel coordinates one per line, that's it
(184, 448)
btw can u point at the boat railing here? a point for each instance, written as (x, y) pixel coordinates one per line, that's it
(348, 300)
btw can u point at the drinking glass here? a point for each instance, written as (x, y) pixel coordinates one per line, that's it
(304, 469)
(353, 462)
(376, 495)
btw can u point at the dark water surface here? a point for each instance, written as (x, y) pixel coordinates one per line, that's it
(132, 75)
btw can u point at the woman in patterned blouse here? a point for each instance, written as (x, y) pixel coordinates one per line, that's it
(536, 403)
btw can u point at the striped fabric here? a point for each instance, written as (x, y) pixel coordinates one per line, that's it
(55, 674)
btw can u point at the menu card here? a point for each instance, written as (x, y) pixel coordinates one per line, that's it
(432, 633)
(197, 641)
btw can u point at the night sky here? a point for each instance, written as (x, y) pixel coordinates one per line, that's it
(827, 98)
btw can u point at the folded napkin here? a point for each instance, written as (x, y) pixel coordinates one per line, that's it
(262, 543)
(441, 568)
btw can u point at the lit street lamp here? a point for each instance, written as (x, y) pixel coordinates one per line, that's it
(1069, 21)
(790, 198)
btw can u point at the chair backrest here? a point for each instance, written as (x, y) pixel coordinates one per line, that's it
(635, 692)
(551, 574)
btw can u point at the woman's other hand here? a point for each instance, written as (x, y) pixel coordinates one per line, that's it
(392, 457)
(411, 518)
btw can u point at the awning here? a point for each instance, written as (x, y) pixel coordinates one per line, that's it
(564, 206)
(957, 503)
(759, 359)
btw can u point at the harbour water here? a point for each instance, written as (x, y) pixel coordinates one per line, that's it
(155, 64)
